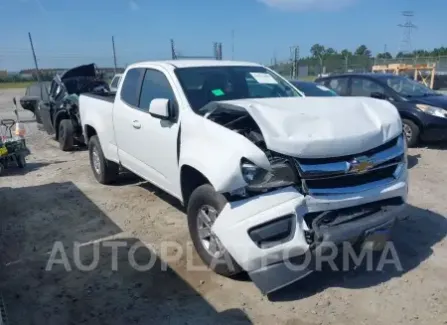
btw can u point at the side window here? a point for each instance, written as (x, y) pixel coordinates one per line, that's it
(259, 90)
(114, 82)
(53, 88)
(131, 86)
(365, 87)
(155, 85)
(339, 85)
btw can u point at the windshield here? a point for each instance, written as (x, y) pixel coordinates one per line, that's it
(408, 87)
(203, 85)
(314, 90)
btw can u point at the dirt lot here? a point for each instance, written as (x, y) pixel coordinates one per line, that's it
(56, 199)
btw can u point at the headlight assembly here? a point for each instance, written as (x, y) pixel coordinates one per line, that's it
(432, 110)
(259, 179)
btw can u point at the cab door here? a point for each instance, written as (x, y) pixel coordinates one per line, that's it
(46, 108)
(146, 144)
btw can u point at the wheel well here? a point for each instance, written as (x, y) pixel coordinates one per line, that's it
(190, 179)
(59, 118)
(89, 132)
(414, 120)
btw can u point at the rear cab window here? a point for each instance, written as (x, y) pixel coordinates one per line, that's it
(130, 91)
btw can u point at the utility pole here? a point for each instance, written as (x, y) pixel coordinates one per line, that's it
(232, 44)
(219, 48)
(34, 57)
(114, 53)
(294, 56)
(173, 53)
(39, 79)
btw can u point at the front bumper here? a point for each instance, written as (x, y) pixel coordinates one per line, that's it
(435, 128)
(267, 262)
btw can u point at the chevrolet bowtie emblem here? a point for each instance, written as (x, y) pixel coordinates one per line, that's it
(360, 165)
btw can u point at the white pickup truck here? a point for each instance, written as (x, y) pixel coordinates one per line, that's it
(266, 174)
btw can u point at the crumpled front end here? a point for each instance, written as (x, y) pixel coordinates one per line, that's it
(336, 200)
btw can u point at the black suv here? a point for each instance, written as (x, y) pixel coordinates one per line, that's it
(423, 111)
(55, 105)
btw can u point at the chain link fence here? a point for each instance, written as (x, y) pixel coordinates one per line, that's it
(311, 68)
(17, 65)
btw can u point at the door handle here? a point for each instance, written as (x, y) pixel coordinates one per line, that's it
(136, 124)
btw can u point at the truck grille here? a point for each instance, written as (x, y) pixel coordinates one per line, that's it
(354, 173)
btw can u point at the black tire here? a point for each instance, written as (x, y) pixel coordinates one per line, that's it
(411, 132)
(21, 161)
(108, 170)
(65, 135)
(205, 195)
(37, 113)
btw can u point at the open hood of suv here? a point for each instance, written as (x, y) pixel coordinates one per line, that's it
(88, 70)
(317, 127)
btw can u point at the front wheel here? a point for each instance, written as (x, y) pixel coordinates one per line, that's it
(105, 171)
(204, 207)
(411, 132)
(65, 135)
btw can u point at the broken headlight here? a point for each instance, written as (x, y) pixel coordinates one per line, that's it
(259, 179)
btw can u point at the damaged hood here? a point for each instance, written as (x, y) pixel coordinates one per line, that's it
(317, 127)
(88, 70)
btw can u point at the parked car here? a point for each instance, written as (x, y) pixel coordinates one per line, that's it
(423, 111)
(34, 94)
(312, 89)
(115, 81)
(59, 114)
(263, 180)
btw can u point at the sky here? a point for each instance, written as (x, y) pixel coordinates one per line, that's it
(70, 32)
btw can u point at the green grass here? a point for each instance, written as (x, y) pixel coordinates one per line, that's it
(21, 84)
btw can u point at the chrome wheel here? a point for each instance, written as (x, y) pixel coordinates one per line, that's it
(407, 131)
(96, 161)
(205, 219)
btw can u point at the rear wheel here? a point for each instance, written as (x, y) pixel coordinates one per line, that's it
(105, 171)
(21, 161)
(411, 132)
(204, 207)
(65, 135)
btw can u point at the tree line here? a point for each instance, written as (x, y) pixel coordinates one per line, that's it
(321, 52)
(361, 59)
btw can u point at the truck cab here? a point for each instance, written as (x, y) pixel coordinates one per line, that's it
(265, 176)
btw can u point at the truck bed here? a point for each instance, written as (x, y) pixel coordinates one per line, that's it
(109, 97)
(98, 110)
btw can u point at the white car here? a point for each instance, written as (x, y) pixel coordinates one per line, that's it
(115, 82)
(263, 180)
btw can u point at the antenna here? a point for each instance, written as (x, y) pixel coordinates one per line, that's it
(408, 27)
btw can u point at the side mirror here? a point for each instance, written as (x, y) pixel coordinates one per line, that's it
(160, 108)
(379, 95)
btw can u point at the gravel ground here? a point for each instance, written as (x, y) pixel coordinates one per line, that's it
(56, 199)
